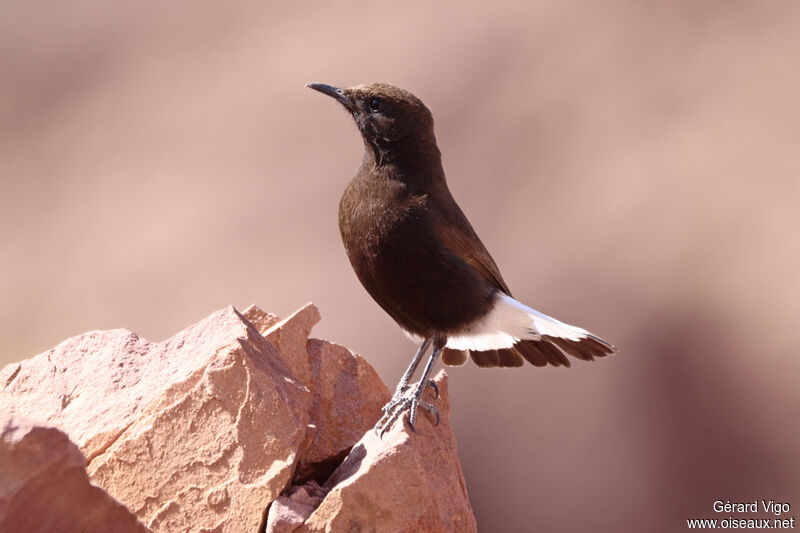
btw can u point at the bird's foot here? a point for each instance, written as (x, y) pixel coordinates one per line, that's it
(400, 403)
(399, 394)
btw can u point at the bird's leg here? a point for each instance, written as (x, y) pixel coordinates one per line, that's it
(424, 382)
(403, 385)
(399, 404)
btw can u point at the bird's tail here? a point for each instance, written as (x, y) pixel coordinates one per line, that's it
(513, 333)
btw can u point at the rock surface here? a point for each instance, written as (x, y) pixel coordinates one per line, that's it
(346, 392)
(402, 482)
(44, 486)
(204, 431)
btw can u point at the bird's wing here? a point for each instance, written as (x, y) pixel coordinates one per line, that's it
(458, 236)
(513, 331)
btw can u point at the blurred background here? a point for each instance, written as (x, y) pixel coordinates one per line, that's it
(633, 167)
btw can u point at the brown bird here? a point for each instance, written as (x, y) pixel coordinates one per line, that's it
(417, 255)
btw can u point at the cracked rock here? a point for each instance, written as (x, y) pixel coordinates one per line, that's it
(204, 431)
(44, 486)
(402, 482)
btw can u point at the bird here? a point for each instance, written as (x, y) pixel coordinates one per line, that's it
(417, 255)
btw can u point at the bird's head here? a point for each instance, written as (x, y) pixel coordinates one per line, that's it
(387, 116)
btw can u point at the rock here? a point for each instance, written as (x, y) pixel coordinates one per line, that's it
(95, 385)
(44, 486)
(288, 336)
(211, 449)
(191, 434)
(293, 508)
(403, 482)
(347, 393)
(236, 415)
(347, 399)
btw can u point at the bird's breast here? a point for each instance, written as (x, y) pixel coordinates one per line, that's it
(374, 216)
(395, 251)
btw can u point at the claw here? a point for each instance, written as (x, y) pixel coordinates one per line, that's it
(428, 407)
(412, 416)
(397, 397)
(401, 402)
(391, 411)
(395, 408)
(434, 410)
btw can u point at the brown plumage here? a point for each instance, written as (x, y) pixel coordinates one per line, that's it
(410, 244)
(452, 357)
(418, 256)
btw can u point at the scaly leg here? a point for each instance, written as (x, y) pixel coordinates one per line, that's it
(423, 382)
(403, 385)
(399, 404)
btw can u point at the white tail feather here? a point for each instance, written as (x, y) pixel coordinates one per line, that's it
(508, 322)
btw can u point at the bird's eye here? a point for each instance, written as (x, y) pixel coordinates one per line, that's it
(377, 104)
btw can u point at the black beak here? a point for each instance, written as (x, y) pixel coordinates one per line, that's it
(334, 92)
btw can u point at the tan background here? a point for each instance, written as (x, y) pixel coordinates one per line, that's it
(632, 166)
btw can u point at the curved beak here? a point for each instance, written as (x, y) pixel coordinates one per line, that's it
(334, 92)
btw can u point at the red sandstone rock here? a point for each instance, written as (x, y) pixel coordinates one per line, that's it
(204, 431)
(288, 336)
(293, 508)
(44, 486)
(347, 393)
(193, 433)
(403, 482)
